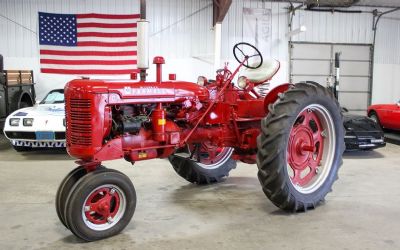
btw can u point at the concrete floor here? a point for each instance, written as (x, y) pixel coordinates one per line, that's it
(361, 213)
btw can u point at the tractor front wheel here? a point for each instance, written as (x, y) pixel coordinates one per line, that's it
(300, 147)
(65, 187)
(100, 204)
(205, 164)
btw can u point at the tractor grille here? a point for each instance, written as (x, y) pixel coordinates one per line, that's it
(80, 122)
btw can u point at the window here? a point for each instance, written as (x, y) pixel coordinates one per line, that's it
(53, 97)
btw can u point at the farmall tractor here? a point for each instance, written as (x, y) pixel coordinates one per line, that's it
(294, 133)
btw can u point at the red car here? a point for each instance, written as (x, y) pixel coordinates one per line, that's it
(387, 115)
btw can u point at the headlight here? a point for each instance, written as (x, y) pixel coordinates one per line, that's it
(14, 122)
(201, 80)
(242, 82)
(28, 122)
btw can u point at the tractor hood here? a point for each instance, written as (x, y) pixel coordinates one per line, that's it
(170, 91)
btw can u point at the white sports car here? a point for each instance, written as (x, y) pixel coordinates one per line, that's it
(42, 125)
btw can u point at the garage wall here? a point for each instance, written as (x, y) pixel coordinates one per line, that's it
(181, 31)
(357, 28)
(386, 88)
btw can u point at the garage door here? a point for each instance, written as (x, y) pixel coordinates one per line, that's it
(315, 62)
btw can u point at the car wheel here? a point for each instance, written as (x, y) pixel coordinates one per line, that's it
(374, 116)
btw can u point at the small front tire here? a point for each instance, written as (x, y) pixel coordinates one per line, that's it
(100, 205)
(65, 187)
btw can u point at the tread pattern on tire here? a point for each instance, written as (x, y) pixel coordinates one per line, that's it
(272, 145)
(192, 172)
(78, 189)
(67, 183)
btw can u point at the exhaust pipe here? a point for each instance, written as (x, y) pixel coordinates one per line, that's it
(143, 42)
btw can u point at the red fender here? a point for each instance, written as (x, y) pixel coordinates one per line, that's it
(272, 95)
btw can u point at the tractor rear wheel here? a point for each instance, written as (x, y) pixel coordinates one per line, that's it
(205, 165)
(100, 204)
(300, 147)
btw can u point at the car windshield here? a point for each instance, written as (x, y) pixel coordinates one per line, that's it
(53, 97)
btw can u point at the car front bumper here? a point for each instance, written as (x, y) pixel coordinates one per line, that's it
(38, 144)
(363, 142)
(30, 139)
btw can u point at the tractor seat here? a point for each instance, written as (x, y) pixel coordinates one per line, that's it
(262, 74)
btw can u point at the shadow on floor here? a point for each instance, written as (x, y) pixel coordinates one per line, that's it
(55, 154)
(392, 136)
(235, 191)
(4, 143)
(35, 154)
(73, 241)
(362, 155)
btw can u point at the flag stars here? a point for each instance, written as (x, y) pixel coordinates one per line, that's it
(58, 30)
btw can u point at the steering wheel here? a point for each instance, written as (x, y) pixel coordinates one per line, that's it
(244, 56)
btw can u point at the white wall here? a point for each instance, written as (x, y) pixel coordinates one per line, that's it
(386, 88)
(181, 31)
(357, 28)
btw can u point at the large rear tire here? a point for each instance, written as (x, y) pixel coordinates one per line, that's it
(211, 168)
(300, 147)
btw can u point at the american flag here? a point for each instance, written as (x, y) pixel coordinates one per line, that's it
(87, 43)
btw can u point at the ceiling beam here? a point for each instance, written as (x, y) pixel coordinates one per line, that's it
(220, 9)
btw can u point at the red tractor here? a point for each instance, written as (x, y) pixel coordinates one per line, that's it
(293, 132)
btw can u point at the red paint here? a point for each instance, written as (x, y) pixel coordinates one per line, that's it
(215, 116)
(158, 61)
(172, 77)
(88, 62)
(102, 205)
(103, 34)
(273, 94)
(106, 25)
(88, 53)
(388, 114)
(134, 76)
(108, 44)
(305, 148)
(107, 16)
(89, 71)
(159, 121)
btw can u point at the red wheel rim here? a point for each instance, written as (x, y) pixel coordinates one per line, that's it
(310, 148)
(210, 154)
(104, 207)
